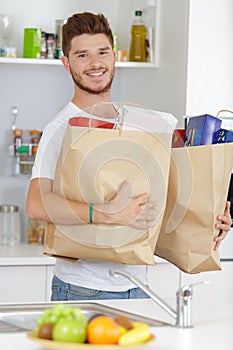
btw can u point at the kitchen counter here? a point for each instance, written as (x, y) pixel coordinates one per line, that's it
(24, 254)
(29, 254)
(213, 324)
(212, 305)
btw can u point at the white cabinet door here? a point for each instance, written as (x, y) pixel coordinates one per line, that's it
(22, 284)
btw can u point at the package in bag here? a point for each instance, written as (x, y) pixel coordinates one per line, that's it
(201, 129)
(93, 163)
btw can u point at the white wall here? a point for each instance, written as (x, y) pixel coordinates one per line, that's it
(210, 57)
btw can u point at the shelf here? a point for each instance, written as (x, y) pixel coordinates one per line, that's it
(51, 62)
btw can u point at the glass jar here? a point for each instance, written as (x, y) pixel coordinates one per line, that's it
(10, 225)
(36, 231)
(25, 160)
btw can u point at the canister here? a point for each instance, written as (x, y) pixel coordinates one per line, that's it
(10, 224)
(32, 42)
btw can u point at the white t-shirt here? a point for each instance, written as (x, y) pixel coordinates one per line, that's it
(86, 273)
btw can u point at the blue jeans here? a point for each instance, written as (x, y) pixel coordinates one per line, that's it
(62, 291)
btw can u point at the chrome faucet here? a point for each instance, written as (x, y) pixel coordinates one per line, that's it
(183, 312)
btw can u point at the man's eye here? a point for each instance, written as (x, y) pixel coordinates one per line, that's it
(82, 55)
(104, 52)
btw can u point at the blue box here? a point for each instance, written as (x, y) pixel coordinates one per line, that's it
(200, 130)
(222, 136)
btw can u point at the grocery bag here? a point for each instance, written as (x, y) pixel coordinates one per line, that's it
(92, 164)
(197, 193)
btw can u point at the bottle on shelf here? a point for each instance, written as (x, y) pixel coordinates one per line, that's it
(35, 138)
(17, 139)
(43, 48)
(150, 13)
(138, 39)
(50, 45)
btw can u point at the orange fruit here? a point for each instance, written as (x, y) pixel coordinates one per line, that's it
(103, 330)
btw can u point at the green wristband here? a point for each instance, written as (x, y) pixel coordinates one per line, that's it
(90, 212)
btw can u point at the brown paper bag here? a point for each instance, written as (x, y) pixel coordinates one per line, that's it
(92, 164)
(197, 193)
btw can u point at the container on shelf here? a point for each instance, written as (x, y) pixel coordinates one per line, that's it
(25, 160)
(51, 45)
(35, 138)
(43, 46)
(32, 42)
(36, 231)
(17, 139)
(58, 38)
(10, 225)
(138, 39)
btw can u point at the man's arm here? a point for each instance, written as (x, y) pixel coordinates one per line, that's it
(43, 204)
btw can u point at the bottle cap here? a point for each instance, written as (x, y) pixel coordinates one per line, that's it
(34, 132)
(138, 13)
(17, 132)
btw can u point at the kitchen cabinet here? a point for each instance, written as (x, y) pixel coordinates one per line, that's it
(27, 283)
(25, 274)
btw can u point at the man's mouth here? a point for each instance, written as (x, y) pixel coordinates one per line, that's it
(96, 74)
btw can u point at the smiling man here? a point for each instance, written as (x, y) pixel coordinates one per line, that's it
(89, 58)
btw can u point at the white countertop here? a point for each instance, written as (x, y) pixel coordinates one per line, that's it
(24, 254)
(213, 327)
(30, 254)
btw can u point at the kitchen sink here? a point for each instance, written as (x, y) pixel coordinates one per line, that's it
(22, 317)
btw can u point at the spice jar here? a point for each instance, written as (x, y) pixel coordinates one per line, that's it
(17, 139)
(24, 160)
(35, 138)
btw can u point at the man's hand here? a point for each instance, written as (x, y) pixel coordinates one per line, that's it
(224, 225)
(127, 211)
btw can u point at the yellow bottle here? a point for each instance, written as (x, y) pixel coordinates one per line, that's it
(138, 39)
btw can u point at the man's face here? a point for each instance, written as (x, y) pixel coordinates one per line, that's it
(91, 62)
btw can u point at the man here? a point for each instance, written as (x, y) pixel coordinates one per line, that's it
(89, 58)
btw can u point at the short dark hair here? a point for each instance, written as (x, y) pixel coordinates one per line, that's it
(84, 23)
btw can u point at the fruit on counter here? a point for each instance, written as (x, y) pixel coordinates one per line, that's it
(45, 331)
(103, 330)
(69, 331)
(123, 321)
(140, 333)
(55, 314)
(68, 324)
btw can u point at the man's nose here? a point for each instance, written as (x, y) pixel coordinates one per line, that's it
(94, 61)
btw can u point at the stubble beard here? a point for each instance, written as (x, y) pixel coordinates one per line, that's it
(78, 82)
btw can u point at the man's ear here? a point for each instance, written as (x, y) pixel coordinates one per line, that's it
(65, 62)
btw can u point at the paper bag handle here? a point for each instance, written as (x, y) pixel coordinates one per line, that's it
(120, 106)
(224, 111)
(102, 103)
